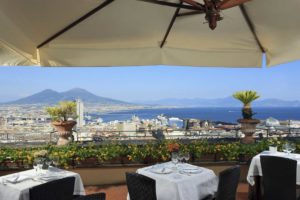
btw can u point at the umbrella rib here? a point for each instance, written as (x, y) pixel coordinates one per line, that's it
(251, 27)
(76, 22)
(190, 13)
(170, 26)
(170, 4)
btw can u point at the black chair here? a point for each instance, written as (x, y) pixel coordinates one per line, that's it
(61, 189)
(140, 187)
(228, 182)
(96, 196)
(279, 178)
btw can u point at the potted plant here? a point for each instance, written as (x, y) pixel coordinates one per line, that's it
(62, 117)
(248, 124)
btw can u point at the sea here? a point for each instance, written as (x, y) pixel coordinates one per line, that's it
(230, 115)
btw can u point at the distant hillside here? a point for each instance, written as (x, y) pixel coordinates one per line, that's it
(221, 102)
(52, 97)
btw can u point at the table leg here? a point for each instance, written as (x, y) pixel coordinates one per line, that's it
(255, 192)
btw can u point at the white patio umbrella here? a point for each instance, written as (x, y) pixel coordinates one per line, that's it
(131, 32)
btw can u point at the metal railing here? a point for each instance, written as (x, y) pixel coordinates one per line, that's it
(21, 139)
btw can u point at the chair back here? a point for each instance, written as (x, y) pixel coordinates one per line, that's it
(95, 196)
(140, 187)
(228, 182)
(279, 178)
(61, 189)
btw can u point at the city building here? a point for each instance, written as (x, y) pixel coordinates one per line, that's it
(79, 112)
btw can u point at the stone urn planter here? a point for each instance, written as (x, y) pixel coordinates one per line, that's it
(248, 127)
(64, 129)
(61, 115)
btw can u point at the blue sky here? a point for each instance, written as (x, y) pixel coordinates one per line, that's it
(155, 82)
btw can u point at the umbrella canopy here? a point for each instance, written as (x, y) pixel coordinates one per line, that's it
(131, 33)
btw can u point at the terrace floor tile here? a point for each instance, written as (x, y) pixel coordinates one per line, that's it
(119, 192)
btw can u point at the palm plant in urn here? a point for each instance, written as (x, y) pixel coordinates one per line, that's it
(248, 124)
(62, 117)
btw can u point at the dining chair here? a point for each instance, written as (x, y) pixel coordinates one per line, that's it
(61, 189)
(228, 182)
(96, 196)
(279, 178)
(140, 187)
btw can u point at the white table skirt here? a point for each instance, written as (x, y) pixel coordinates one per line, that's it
(256, 170)
(177, 186)
(20, 190)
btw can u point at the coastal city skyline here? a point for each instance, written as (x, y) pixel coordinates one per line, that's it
(134, 84)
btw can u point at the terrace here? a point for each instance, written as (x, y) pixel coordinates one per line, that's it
(102, 33)
(102, 165)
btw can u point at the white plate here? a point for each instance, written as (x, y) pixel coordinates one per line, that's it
(161, 170)
(191, 170)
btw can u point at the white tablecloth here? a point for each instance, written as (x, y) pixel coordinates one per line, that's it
(255, 166)
(178, 186)
(20, 190)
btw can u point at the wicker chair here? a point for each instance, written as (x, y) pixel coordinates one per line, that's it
(228, 182)
(279, 178)
(140, 187)
(61, 189)
(96, 196)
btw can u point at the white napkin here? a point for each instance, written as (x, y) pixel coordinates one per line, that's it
(49, 177)
(16, 178)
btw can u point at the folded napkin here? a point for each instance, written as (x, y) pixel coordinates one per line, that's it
(17, 178)
(49, 177)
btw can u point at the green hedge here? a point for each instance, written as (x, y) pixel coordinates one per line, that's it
(77, 154)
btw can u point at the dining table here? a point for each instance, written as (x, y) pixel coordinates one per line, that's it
(255, 176)
(16, 186)
(181, 181)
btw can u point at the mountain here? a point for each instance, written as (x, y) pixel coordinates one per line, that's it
(221, 102)
(52, 97)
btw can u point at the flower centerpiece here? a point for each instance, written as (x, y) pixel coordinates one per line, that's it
(41, 158)
(62, 117)
(173, 147)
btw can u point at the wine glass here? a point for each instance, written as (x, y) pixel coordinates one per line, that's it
(180, 157)
(174, 158)
(186, 156)
(34, 165)
(38, 165)
(55, 161)
(292, 147)
(287, 148)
